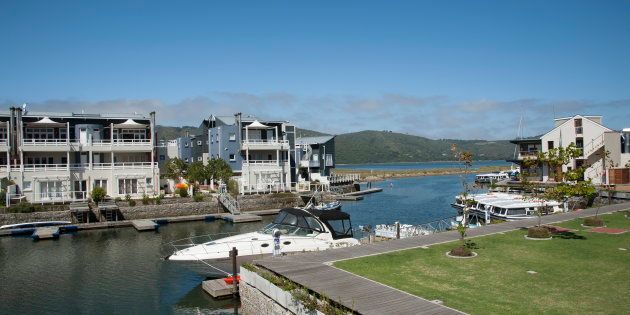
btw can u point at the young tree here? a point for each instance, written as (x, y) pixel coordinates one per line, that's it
(465, 158)
(557, 157)
(219, 170)
(197, 172)
(175, 169)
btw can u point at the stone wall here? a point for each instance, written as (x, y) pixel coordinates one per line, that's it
(170, 207)
(255, 302)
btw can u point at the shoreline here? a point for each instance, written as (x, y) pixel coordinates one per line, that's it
(381, 175)
(423, 162)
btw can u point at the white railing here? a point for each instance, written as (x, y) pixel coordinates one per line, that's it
(132, 141)
(60, 196)
(593, 145)
(265, 141)
(45, 142)
(334, 179)
(129, 165)
(264, 162)
(44, 167)
(4, 142)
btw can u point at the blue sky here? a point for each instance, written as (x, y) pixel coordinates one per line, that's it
(442, 69)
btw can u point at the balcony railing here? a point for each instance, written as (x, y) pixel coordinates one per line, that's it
(83, 166)
(122, 142)
(263, 162)
(265, 141)
(45, 142)
(533, 153)
(60, 196)
(44, 167)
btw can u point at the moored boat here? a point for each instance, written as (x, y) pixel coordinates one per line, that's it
(297, 230)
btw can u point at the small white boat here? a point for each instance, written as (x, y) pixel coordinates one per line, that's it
(334, 205)
(34, 224)
(491, 177)
(298, 230)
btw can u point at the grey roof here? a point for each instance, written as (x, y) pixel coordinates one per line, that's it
(314, 140)
(85, 115)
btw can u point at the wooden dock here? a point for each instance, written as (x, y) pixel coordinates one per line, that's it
(144, 225)
(44, 233)
(217, 288)
(314, 270)
(363, 192)
(243, 217)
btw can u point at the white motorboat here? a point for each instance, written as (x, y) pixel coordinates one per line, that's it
(491, 177)
(334, 205)
(34, 224)
(506, 206)
(299, 230)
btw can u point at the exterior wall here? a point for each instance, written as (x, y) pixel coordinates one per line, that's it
(564, 134)
(221, 146)
(61, 161)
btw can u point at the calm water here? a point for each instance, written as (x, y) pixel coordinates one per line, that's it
(120, 270)
(420, 165)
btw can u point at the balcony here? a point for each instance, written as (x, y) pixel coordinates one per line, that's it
(265, 165)
(124, 145)
(4, 145)
(45, 145)
(261, 144)
(533, 154)
(83, 166)
(60, 196)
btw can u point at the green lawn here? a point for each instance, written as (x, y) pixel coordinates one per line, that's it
(581, 273)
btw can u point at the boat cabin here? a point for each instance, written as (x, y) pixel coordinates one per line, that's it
(300, 222)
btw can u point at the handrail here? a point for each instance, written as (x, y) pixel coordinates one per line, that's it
(265, 141)
(45, 142)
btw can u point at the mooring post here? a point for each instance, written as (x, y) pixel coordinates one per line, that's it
(233, 254)
(397, 230)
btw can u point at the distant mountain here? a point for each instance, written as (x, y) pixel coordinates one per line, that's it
(171, 133)
(383, 147)
(299, 133)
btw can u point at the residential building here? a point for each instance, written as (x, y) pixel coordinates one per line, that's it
(54, 157)
(260, 152)
(587, 133)
(316, 156)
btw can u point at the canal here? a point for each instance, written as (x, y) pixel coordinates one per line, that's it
(121, 271)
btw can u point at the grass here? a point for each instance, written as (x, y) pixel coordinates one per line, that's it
(579, 272)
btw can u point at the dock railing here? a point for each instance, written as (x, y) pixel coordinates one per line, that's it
(410, 230)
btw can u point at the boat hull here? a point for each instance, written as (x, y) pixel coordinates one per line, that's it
(216, 268)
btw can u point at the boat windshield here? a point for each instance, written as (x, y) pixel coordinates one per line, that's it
(291, 224)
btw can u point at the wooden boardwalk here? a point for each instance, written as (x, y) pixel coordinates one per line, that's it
(314, 270)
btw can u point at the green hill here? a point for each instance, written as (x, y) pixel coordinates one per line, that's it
(171, 133)
(384, 147)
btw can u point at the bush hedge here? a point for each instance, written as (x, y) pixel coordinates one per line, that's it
(593, 221)
(461, 251)
(198, 197)
(538, 232)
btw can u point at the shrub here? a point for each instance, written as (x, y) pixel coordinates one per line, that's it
(158, 199)
(182, 192)
(538, 232)
(198, 197)
(132, 203)
(593, 221)
(128, 197)
(98, 194)
(117, 199)
(145, 199)
(232, 187)
(461, 251)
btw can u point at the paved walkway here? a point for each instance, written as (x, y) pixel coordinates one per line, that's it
(314, 270)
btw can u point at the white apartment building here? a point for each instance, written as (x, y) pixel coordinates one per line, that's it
(587, 133)
(60, 157)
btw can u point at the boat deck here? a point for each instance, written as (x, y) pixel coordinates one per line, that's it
(314, 270)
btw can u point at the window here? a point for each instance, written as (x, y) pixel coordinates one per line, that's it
(148, 181)
(162, 157)
(186, 144)
(101, 183)
(199, 142)
(50, 189)
(232, 137)
(232, 157)
(3, 133)
(127, 186)
(27, 185)
(199, 158)
(549, 145)
(64, 160)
